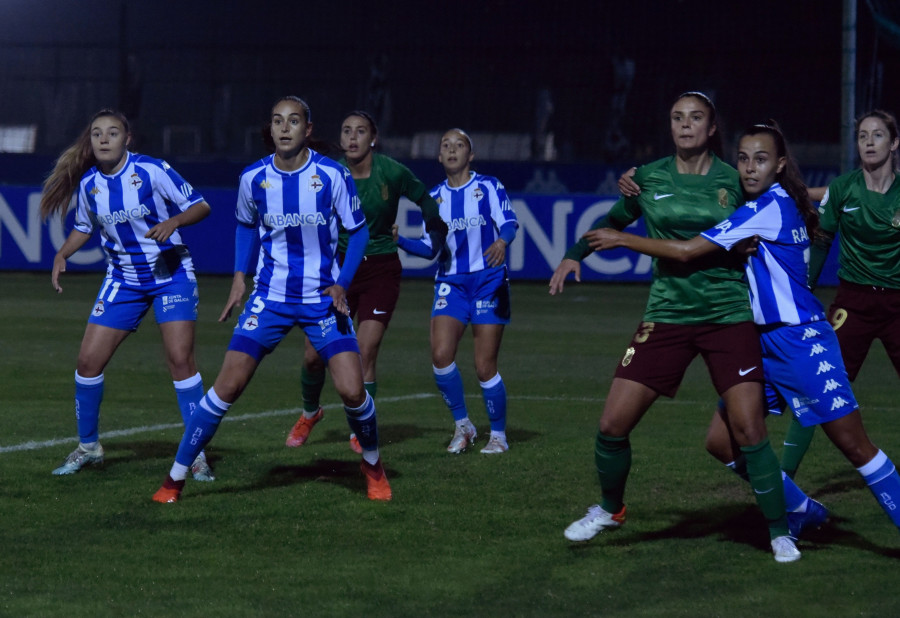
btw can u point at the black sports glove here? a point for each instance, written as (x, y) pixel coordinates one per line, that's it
(437, 229)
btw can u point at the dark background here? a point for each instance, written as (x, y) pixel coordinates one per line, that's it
(209, 71)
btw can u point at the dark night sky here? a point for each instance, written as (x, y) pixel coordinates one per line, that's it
(480, 64)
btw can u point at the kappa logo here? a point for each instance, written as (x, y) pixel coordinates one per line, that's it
(95, 191)
(809, 332)
(838, 403)
(661, 196)
(824, 367)
(831, 385)
(265, 184)
(817, 348)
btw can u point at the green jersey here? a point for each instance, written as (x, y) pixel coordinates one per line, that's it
(380, 195)
(869, 245)
(708, 290)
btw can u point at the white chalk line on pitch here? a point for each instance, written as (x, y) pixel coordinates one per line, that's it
(33, 445)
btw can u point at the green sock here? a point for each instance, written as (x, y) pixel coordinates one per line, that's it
(768, 487)
(796, 443)
(612, 456)
(371, 388)
(312, 383)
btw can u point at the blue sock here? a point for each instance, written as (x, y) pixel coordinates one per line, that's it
(189, 393)
(794, 498)
(882, 478)
(450, 385)
(494, 393)
(88, 395)
(200, 429)
(364, 423)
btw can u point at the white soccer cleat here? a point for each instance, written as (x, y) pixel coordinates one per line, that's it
(79, 458)
(495, 445)
(784, 549)
(463, 437)
(590, 525)
(200, 469)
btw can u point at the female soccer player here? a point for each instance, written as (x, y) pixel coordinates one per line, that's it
(801, 357)
(471, 286)
(138, 204)
(694, 308)
(373, 293)
(293, 199)
(863, 207)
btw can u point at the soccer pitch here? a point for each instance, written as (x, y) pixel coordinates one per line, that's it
(289, 532)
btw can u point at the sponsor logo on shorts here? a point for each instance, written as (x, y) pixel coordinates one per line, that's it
(251, 323)
(485, 306)
(377, 312)
(629, 354)
(743, 372)
(170, 300)
(327, 324)
(817, 348)
(98, 309)
(661, 196)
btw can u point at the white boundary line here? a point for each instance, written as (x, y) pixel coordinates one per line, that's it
(33, 445)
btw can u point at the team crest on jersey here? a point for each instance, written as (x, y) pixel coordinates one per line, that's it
(135, 181)
(315, 183)
(478, 193)
(98, 309)
(629, 354)
(251, 323)
(723, 198)
(95, 191)
(265, 184)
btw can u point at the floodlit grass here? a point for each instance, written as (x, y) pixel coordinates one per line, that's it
(289, 532)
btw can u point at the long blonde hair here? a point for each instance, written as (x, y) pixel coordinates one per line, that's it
(71, 165)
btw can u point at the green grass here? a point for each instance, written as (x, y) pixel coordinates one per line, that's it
(289, 532)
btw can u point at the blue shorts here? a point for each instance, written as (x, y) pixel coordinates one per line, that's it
(478, 298)
(264, 323)
(805, 372)
(122, 306)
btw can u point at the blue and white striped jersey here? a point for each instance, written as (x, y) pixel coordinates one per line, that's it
(125, 206)
(474, 214)
(297, 215)
(777, 274)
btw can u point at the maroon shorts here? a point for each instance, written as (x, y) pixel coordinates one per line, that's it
(375, 288)
(659, 355)
(860, 314)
